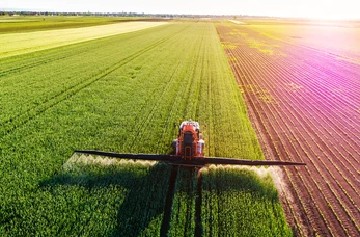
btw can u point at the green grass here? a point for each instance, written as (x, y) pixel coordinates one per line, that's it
(125, 93)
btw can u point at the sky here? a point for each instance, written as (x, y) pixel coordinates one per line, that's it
(319, 9)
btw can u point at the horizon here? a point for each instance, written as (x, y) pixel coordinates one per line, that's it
(320, 10)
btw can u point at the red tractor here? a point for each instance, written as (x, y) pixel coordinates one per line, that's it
(189, 143)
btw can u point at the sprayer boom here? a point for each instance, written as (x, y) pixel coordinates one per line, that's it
(189, 150)
(178, 160)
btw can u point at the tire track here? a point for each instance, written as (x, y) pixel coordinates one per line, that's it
(165, 225)
(198, 203)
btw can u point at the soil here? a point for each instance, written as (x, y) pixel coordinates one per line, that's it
(303, 104)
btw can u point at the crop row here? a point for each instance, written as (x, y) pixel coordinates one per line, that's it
(305, 143)
(125, 93)
(307, 135)
(99, 115)
(191, 193)
(41, 89)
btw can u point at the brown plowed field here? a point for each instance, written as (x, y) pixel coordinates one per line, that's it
(304, 102)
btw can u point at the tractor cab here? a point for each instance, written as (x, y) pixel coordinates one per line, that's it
(189, 143)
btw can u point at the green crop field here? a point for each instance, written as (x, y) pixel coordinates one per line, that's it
(27, 42)
(128, 93)
(34, 23)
